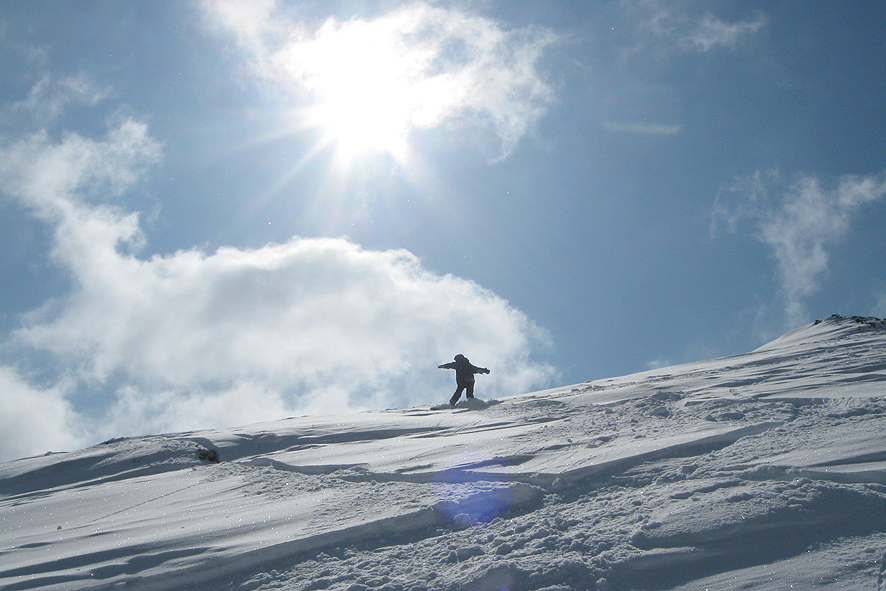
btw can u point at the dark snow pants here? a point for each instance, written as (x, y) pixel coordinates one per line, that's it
(462, 387)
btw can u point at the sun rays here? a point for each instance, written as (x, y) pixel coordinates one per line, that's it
(365, 87)
(366, 84)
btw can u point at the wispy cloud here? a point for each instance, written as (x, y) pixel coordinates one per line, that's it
(799, 221)
(197, 339)
(710, 32)
(51, 95)
(879, 309)
(415, 67)
(668, 26)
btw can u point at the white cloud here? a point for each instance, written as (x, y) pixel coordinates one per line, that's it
(415, 67)
(710, 32)
(799, 223)
(48, 99)
(664, 26)
(195, 339)
(35, 420)
(879, 309)
(657, 364)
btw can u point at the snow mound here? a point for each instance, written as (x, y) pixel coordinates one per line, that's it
(758, 471)
(833, 328)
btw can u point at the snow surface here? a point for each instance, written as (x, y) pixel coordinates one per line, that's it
(759, 471)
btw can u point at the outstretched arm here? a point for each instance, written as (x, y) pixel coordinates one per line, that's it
(446, 366)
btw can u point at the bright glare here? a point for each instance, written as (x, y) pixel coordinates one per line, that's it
(367, 87)
(369, 83)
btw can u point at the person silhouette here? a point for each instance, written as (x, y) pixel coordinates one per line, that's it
(464, 377)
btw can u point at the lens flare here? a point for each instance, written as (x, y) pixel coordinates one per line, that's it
(466, 496)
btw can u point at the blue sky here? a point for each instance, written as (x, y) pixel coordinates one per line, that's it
(223, 212)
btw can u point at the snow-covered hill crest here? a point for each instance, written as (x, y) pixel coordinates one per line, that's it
(756, 471)
(830, 329)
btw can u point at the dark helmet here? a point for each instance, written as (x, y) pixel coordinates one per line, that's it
(460, 356)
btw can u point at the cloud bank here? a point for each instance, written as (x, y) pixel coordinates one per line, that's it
(197, 339)
(35, 420)
(415, 67)
(798, 222)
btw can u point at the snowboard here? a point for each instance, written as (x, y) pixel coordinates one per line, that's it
(470, 403)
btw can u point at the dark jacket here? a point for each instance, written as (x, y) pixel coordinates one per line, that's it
(464, 370)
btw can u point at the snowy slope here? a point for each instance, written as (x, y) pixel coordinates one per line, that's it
(759, 471)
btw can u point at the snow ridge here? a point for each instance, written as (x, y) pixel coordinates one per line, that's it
(760, 471)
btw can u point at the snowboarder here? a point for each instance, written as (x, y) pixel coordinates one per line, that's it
(464, 377)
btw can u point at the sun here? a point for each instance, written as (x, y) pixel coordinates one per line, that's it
(366, 89)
